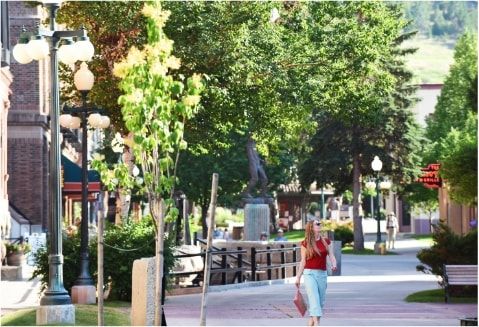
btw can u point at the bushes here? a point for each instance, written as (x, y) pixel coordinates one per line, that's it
(343, 231)
(139, 237)
(448, 248)
(344, 234)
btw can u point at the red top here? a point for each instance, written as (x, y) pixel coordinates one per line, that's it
(317, 262)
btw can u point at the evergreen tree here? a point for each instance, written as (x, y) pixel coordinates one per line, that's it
(369, 113)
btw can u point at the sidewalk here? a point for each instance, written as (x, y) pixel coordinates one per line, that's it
(370, 292)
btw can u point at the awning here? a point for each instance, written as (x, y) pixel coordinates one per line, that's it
(71, 178)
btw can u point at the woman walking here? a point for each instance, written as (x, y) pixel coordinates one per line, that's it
(314, 250)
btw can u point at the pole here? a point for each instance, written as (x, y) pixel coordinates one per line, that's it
(378, 236)
(55, 293)
(206, 277)
(84, 278)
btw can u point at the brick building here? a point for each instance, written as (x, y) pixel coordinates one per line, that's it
(28, 130)
(5, 91)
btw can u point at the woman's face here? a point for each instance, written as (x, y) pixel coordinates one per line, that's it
(316, 226)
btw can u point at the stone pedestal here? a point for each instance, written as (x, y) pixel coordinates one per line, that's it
(56, 315)
(143, 292)
(256, 221)
(336, 245)
(84, 294)
(380, 248)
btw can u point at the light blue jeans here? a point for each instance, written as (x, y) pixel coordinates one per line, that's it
(316, 282)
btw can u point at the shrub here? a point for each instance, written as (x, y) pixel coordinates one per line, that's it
(137, 237)
(13, 248)
(448, 248)
(344, 234)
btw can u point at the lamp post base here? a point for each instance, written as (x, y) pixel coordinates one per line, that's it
(84, 294)
(56, 315)
(380, 247)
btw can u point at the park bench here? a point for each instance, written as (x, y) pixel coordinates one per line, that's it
(458, 275)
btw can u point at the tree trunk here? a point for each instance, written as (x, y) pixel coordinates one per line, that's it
(358, 226)
(101, 223)
(157, 208)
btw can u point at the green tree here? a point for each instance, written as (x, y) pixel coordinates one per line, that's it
(452, 127)
(113, 27)
(457, 95)
(459, 162)
(155, 108)
(365, 95)
(253, 85)
(251, 88)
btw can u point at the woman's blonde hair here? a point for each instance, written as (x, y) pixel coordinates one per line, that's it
(310, 240)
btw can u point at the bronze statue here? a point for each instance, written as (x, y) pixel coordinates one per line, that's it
(256, 170)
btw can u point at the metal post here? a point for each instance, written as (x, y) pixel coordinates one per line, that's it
(84, 278)
(240, 265)
(372, 206)
(253, 264)
(283, 261)
(223, 266)
(268, 262)
(55, 293)
(378, 235)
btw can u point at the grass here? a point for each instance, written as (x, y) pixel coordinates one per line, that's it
(437, 295)
(426, 240)
(292, 236)
(85, 315)
(430, 63)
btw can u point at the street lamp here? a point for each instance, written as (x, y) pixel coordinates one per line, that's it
(371, 186)
(55, 304)
(84, 290)
(377, 165)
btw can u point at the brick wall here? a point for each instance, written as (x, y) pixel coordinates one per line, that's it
(28, 125)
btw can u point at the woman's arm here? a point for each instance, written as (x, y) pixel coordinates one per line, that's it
(302, 263)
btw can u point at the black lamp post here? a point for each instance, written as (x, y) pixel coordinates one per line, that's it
(35, 47)
(84, 82)
(377, 165)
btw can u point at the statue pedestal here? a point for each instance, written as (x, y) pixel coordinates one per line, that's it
(256, 221)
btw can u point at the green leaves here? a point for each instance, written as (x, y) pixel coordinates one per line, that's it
(154, 108)
(452, 128)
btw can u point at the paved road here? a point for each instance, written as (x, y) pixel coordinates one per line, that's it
(370, 292)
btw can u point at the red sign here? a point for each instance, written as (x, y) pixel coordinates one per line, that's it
(430, 176)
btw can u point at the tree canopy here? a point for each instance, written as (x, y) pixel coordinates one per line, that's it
(362, 99)
(452, 128)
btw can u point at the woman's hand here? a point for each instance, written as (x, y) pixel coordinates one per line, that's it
(298, 281)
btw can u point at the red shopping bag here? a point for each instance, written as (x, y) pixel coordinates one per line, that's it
(299, 302)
